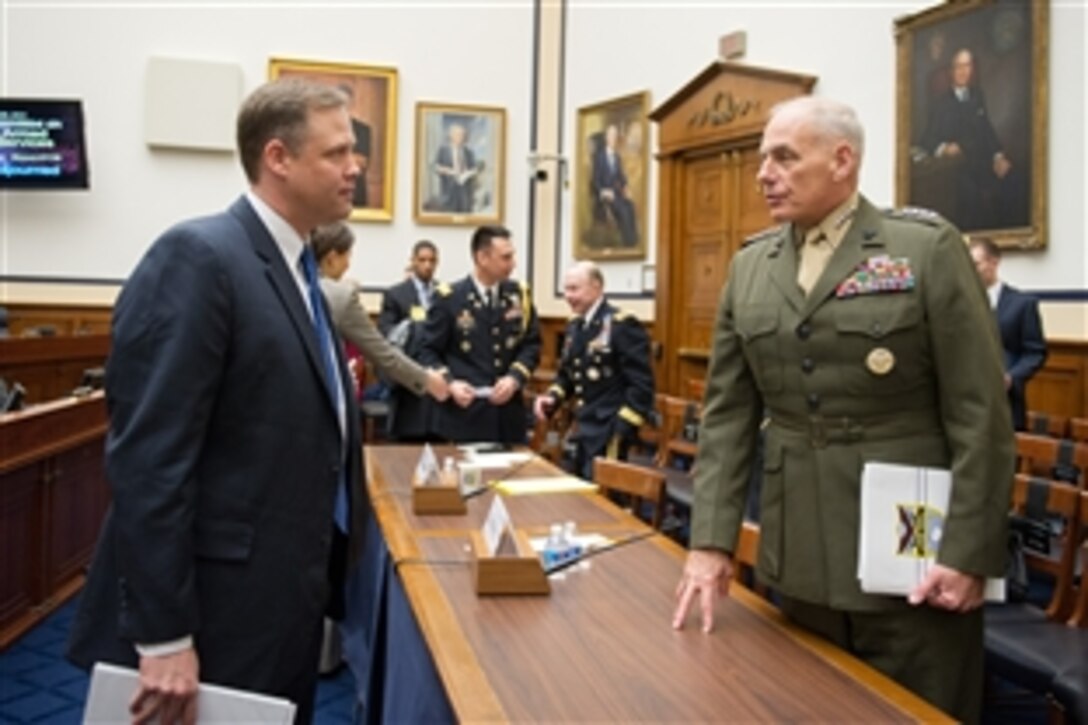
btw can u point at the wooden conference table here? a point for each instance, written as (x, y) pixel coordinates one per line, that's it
(600, 647)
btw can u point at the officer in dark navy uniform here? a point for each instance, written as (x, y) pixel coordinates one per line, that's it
(483, 333)
(604, 371)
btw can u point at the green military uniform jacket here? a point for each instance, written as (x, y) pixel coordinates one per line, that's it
(893, 357)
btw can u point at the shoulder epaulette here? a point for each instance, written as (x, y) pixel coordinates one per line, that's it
(762, 236)
(623, 315)
(444, 289)
(915, 214)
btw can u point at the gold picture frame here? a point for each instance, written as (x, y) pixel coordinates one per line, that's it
(372, 95)
(971, 122)
(611, 179)
(460, 164)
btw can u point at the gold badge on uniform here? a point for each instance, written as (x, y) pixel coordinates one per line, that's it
(880, 361)
(466, 346)
(417, 313)
(465, 321)
(511, 342)
(593, 374)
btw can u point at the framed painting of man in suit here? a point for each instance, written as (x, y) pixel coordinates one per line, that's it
(460, 164)
(972, 117)
(372, 102)
(611, 175)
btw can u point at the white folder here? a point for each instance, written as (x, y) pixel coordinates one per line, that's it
(112, 688)
(903, 510)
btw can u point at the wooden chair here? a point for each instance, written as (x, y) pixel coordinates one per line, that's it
(679, 412)
(1078, 429)
(641, 484)
(1025, 644)
(1038, 499)
(697, 388)
(1048, 424)
(1064, 460)
(648, 446)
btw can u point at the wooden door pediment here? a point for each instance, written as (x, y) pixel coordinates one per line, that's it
(726, 101)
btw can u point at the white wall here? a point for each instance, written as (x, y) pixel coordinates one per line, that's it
(615, 48)
(445, 52)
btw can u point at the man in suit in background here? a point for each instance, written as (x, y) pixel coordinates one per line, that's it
(959, 127)
(457, 170)
(361, 149)
(852, 335)
(483, 331)
(611, 199)
(1019, 325)
(604, 371)
(404, 312)
(233, 448)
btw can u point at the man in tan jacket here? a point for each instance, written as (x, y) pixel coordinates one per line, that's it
(859, 335)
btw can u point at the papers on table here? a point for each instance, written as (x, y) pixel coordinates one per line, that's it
(112, 688)
(555, 484)
(496, 460)
(903, 511)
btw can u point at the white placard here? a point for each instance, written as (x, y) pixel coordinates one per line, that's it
(427, 467)
(498, 520)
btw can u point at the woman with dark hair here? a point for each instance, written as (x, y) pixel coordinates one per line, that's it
(332, 245)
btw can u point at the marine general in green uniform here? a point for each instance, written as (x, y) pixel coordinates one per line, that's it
(856, 335)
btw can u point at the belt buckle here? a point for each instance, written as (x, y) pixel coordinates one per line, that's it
(817, 431)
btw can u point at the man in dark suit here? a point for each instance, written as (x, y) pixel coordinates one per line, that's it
(609, 186)
(404, 311)
(233, 448)
(361, 149)
(959, 127)
(604, 371)
(457, 170)
(483, 332)
(1019, 325)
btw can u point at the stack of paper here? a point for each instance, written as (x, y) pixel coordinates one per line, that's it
(903, 512)
(112, 688)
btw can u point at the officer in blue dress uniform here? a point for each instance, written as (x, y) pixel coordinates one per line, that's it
(482, 331)
(604, 372)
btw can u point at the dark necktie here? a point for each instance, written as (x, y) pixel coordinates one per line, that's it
(328, 355)
(490, 298)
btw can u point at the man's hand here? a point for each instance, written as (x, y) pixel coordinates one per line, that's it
(946, 588)
(1002, 165)
(437, 386)
(543, 406)
(462, 393)
(504, 389)
(168, 689)
(949, 149)
(707, 574)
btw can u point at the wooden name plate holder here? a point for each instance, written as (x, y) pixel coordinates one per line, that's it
(441, 497)
(436, 491)
(503, 560)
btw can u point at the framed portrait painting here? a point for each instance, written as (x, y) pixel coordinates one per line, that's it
(372, 102)
(971, 120)
(611, 176)
(460, 164)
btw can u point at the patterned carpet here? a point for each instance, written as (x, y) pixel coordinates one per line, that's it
(37, 685)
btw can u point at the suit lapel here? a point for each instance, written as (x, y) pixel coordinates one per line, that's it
(859, 243)
(783, 258)
(283, 282)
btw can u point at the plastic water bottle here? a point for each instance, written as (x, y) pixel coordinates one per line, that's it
(553, 547)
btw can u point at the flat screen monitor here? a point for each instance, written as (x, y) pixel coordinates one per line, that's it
(41, 144)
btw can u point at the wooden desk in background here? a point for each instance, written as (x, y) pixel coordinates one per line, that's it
(600, 647)
(53, 495)
(50, 367)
